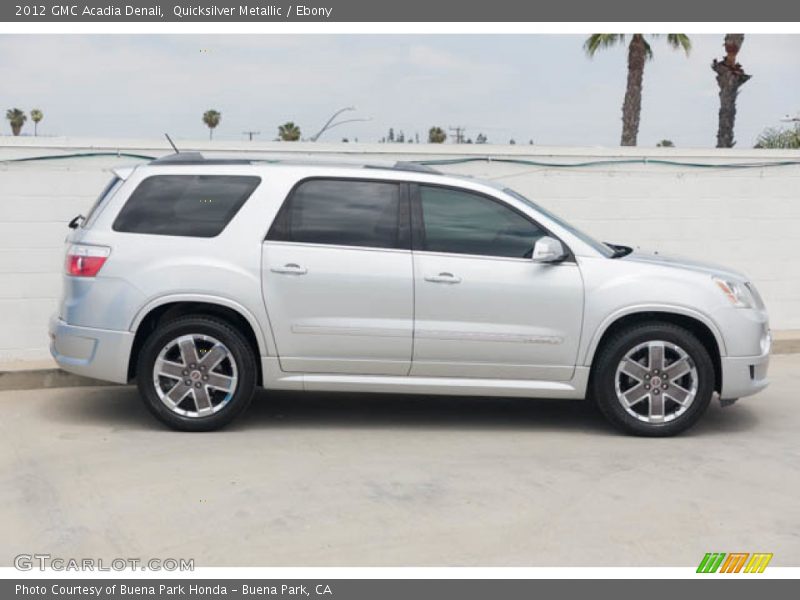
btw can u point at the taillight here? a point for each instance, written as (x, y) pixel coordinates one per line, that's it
(86, 261)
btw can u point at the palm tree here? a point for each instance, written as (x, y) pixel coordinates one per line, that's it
(16, 119)
(639, 51)
(36, 116)
(436, 135)
(211, 118)
(289, 132)
(730, 77)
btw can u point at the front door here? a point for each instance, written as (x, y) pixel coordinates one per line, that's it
(483, 308)
(338, 278)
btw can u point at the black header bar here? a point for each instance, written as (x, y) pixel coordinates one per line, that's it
(408, 10)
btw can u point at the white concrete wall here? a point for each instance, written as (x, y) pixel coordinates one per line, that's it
(748, 219)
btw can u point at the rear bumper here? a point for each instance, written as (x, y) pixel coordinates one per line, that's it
(97, 353)
(744, 376)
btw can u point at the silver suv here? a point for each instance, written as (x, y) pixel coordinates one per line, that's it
(202, 278)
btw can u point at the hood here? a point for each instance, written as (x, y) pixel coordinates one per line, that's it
(680, 262)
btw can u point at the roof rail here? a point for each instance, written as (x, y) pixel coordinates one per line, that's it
(197, 158)
(405, 165)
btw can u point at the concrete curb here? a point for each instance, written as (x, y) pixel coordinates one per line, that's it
(33, 379)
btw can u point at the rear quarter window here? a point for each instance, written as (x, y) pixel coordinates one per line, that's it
(108, 191)
(185, 205)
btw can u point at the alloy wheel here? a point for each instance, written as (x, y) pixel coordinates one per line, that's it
(195, 375)
(656, 382)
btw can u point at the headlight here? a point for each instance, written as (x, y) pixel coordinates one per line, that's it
(738, 293)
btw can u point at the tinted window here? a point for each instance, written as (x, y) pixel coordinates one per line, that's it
(345, 213)
(188, 205)
(465, 223)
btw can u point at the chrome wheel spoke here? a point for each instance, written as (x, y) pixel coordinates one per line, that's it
(677, 393)
(656, 406)
(655, 353)
(219, 382)
(634, 395)
(188, 351)
(631, 368)
(214, 356)
(201, 399)
(167, 368)
(178, 392)
(678, 369)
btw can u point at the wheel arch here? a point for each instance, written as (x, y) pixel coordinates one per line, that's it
(163, 309)
(705, 331)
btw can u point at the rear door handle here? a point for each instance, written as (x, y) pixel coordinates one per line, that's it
(443, 278)
(290, 269)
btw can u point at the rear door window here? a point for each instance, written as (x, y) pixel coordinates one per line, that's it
(185, 205)
(344, 213)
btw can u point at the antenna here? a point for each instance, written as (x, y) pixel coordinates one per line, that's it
(171, 143)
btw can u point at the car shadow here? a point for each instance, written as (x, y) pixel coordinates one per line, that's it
(121, 408)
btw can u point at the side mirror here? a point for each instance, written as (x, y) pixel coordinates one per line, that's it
(548, 250)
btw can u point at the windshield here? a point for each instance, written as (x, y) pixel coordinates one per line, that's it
(585, 238)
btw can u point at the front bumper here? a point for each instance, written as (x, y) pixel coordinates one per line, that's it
(743, 375)
(97, 353)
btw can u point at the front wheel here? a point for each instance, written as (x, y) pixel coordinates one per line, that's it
(196, 373)
(653, 379)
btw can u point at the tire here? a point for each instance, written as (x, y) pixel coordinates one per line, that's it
(196, 373)
(627, 366)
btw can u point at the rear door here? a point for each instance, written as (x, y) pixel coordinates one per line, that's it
(338, 278)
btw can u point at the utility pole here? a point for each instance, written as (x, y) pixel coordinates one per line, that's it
(459, 133)
(250, 134)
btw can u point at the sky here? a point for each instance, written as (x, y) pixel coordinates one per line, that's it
(539, 87)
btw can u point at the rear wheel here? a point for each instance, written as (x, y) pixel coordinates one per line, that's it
(196, 373)
(653, 379)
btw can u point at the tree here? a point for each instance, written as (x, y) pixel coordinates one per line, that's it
(390, 137)
(289, 132)
(36, 116)
(639, 51)
(779, 138)
(16, 119)
(436, 135)
(730, 77)
(481, 139)
(211, 118)
(665, 144)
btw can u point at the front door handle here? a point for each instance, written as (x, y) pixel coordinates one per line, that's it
(443, 278)
(290, 269)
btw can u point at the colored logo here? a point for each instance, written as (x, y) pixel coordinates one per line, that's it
(735, 562)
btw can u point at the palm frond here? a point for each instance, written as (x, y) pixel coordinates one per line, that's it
(680, 41)
(648, 50)
(601, 41)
